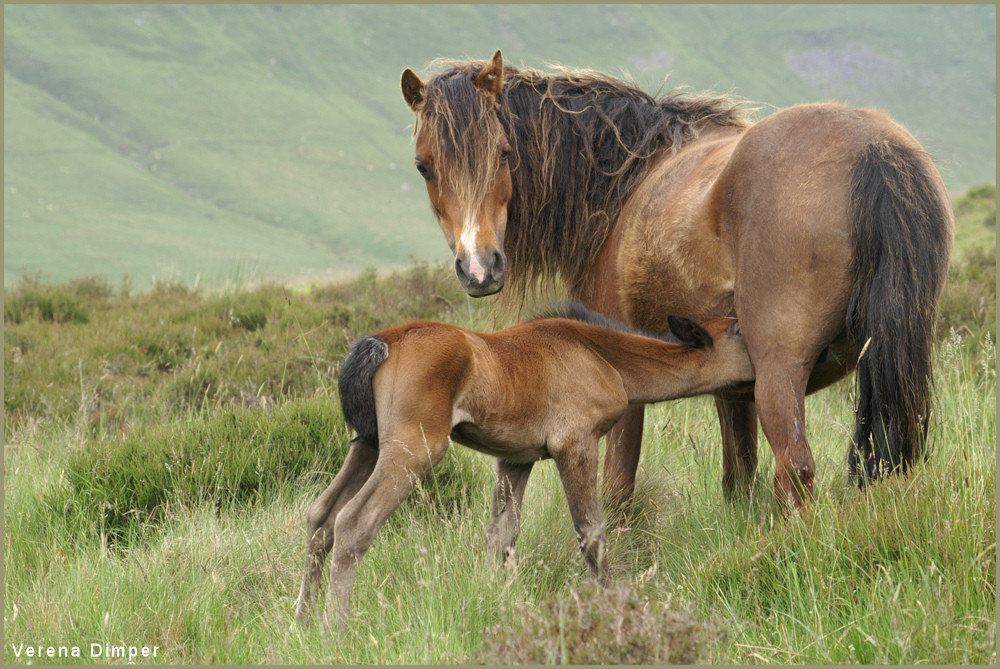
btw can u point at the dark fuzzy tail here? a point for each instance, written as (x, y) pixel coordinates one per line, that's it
(902, 244)
(357, 398)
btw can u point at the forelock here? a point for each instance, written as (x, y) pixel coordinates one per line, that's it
(466, 135)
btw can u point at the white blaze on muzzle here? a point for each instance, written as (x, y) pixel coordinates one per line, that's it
(470, 231)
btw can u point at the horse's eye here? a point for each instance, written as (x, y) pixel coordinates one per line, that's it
(505, 155)
(425, 171)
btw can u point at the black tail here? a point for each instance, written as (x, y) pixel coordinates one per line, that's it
(902, 244)
(357, 398)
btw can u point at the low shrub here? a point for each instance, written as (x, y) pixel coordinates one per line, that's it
(422, 292)
(68, 302)
(977, 206)
(174, 349)
(969, 298)
(230, 457)
(615, 625)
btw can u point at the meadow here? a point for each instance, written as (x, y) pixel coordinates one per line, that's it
(276, 135)
(161, 448)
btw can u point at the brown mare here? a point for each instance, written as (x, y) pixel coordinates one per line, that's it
(547, 388)
(826, 230)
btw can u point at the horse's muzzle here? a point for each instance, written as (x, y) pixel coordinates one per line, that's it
(481, 278)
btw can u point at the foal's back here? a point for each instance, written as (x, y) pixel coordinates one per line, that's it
(515, 389)
(545, 369)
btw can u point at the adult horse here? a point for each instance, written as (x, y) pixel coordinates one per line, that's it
(826, 230)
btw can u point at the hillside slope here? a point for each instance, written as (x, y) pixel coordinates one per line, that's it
(225, 141)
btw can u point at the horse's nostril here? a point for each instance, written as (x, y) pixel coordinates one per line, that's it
(499, 265)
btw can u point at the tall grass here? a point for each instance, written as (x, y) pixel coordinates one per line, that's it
(159, 457)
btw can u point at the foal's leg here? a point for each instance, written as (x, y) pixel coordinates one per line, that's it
(401, 461)
(320, 517)
(738, 421)
(512, 478)
(577, 463)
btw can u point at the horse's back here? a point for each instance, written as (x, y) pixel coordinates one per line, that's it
(796, 165)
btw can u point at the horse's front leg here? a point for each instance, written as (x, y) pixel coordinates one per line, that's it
(621, 457)
(505, 523)
(738, 421)
(321, 515)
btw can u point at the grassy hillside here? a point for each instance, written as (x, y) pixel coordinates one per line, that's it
(224, 141)
(161, 449)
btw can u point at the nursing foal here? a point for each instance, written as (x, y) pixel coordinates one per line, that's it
(546, 388)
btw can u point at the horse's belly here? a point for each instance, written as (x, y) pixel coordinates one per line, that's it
(508, 447)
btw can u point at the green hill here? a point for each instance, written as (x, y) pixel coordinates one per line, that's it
(226, 142)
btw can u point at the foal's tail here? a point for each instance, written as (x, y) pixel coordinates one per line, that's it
(902, 229)
(357, 398)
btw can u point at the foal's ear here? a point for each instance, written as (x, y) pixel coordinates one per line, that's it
(689, 332)
(414, 90)
(490, 80)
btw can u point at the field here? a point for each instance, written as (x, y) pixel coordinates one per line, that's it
(161, 448)
(222, 143)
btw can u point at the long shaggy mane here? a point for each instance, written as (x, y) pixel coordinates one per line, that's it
(581, 142)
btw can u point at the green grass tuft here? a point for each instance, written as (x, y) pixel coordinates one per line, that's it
(234, 457)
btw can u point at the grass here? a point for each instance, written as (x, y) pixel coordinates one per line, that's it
(161, 449)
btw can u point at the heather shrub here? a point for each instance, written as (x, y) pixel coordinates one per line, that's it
(615, 625)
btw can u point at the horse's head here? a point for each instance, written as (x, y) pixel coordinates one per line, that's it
(727, 361)
(463, 154)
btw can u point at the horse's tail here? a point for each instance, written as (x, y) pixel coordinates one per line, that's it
(902, 233)
(357, 397)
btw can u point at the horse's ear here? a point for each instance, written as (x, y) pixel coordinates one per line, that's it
(414, 90)
(689, 332)
(490, 80)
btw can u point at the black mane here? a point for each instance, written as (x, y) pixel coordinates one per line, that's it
(576, 311)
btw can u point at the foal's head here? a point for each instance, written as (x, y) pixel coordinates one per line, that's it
(463, 155)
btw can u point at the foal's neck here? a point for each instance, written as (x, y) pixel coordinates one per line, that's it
(652, 370)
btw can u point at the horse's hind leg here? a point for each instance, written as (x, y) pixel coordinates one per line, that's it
(781, 390)
(401, 461)
(322, 513)
(784, 341)
(738, 421)
(512, 478)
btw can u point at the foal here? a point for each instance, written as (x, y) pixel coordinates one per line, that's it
(547, 388)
